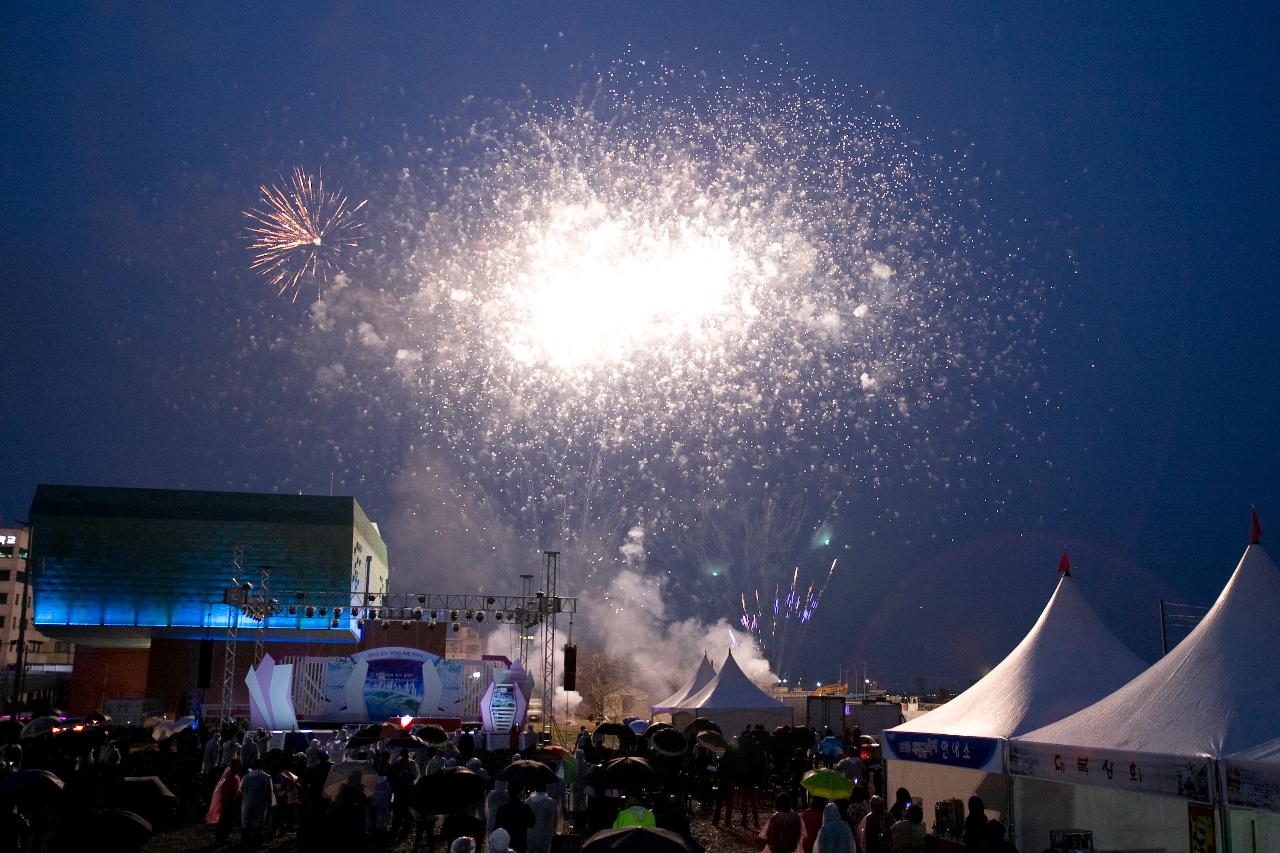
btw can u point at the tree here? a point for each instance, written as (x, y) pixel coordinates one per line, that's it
(600, 681)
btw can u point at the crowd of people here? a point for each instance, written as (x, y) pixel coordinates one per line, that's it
(464, 792)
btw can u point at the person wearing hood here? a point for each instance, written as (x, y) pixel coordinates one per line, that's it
(257, 796)
(249, 752)
(499, 841)
(496, 799)
(212, 748)
(223, 806)
(314, 751)
(516, 818)
(477, 767)
(835, 835)
(546, 813)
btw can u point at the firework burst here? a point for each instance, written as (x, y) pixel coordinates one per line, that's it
(301, 230)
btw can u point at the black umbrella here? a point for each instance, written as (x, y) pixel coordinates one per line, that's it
(712, 740)
(656, 727)
(143, 795)
(431, 733)
(637, 839)
(668, 742)
(699, 725)
(631, 774)
(447, 792)
(29, 785)
(527, 774)
(620, 730)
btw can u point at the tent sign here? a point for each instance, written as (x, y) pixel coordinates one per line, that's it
(953, 750)
(1172, 775)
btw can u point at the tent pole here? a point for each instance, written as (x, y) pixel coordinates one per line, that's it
(1224, 808)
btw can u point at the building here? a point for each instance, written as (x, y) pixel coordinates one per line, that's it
(142, 580)
(47, 661)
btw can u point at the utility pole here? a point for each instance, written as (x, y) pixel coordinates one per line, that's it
(20, 656)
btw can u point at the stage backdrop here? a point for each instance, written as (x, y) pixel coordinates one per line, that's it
(390, 682)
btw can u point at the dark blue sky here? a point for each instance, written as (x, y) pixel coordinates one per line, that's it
(1127, 148)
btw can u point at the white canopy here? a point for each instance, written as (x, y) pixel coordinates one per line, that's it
(1217, 692)
(1068, 660)
(700, 679)
(733, 701)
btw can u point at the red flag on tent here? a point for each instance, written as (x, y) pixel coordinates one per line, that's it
(1255, 530)
(1064, 565)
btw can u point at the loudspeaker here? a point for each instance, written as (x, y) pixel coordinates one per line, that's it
(570, 667)
(204, 669)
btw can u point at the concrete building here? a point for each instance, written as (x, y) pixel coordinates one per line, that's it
(47, 661)
(464, 644)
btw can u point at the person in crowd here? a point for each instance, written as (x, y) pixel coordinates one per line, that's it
(635, 814)
(230, 751)
(249, 752)
(209, 758)
(314, 751)
(811, 821)
(378, 815)
(669, 814)
(873, 830)
(901, 799)
(463, 844)
(781, 833)
(835, 836)
(516, 818)
(476, 766)
(347, 814)
(909, 833)
(494, 800)
(546, 814)
(995, 842)
(975, 823)
(257, 795)
(500, 841)
(224, 811)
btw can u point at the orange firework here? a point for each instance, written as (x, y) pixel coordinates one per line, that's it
(301, 230)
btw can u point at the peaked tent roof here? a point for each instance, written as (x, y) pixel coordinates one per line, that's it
(700, 679)
(1217, 692)
(729, 690)
(1067, 660)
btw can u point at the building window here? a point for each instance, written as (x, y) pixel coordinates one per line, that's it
(1, 621)
(6, 551)
(62, 646)
(4, 575)
(23, 553)
(21, 578)
(4, 598)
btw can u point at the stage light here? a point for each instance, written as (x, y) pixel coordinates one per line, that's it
(498, 615)
(417, 613)
(479, 615)
(360, 624)
(373, 613)
(324, 611)
(405, 624)
(422, 599)
(490, 600)
(385, 624)
(456, 627)
(333, 624)
(372, 598)
(311, 611)
(468, 615)
(337, 611)
(301, 595)
(453, 615)
(293, 610)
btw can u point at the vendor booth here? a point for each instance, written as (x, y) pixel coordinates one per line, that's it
(1067, 660)
(732, 701)
(1180, 753)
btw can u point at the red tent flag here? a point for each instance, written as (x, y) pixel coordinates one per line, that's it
(1255, 530)
(1064, 565)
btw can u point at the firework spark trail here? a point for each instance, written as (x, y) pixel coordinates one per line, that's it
(300, 230)
(715, 308)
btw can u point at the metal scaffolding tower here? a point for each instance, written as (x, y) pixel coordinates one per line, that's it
(261, 633)
(229, 642)
(549, 606)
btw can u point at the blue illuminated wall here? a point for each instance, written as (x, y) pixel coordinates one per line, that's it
(153, 558)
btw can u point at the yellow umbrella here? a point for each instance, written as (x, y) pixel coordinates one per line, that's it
(827, 783)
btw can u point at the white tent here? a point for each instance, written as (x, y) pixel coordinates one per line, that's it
(1216, 693)
(1067, 660)
(700, 679)
(734, 702)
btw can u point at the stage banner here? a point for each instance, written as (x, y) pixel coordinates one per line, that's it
(975, 753)
(1176, 776)
(391, 682)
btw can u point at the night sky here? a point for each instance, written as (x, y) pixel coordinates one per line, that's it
(1120, 154)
